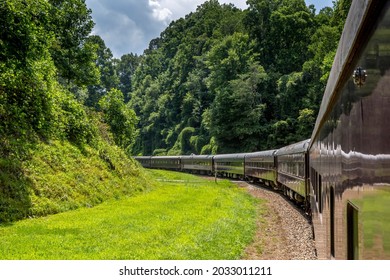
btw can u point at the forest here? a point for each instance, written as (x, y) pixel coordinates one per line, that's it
(218, 80)
(224, 80)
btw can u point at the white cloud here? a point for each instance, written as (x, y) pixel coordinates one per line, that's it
(160, 13)
(128, 25)
(122, 33)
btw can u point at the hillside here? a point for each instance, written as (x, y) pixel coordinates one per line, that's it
(56, 153)
(59, 176)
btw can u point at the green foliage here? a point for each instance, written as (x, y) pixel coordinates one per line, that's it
(14, 199)
(125, 70)
(74, 122)
(55, 154)
(282, 30)
(282, 133)
(108, 78)
(210, 148)
(238, 112)
(169, 87)
(160, 152)
(240, 79)
(306, 121)
(73, 55)
(59, 176)
(185, 144)
(291, 90)
(121, 118)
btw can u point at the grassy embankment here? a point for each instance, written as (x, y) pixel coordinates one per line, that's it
(58, 176)
(182, 217)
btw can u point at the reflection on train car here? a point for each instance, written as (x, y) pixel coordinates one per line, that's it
(202, 164)
(350, 150)
(261, 166)
(292, 169)
(230, 165)
(166, 162)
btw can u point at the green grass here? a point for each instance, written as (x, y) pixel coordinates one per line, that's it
(184, 217)
(58, 177)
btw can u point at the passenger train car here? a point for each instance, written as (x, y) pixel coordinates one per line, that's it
(342, 175)
(350, 149)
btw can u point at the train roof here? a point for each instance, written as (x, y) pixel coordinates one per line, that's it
(166, 157)
(300, 147)
(230, 156)
(197, 157)
(268, 153)
(142, 157)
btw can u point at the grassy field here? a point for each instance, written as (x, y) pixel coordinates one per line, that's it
(184, 217)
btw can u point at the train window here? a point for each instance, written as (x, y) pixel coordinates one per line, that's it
(352, 232)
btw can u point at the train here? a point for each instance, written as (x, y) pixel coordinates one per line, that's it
(283, 169)
(341, 175)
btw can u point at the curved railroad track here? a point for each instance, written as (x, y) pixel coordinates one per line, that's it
(284, 231)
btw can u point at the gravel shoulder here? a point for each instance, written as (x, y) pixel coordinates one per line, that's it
(284, 232)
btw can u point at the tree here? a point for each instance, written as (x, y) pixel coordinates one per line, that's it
(282, 30)
(125, 69)
(73, 55)
(121, 119)
(108, 76)
(237, 118)
(306, 121)
(27, 86)
(322, 49)
(234, 77)
(227, 59)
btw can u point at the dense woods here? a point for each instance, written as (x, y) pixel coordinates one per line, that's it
(226, 80)
(219, 80)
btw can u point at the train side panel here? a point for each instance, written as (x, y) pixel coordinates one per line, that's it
(350, 150)
(202, 164)
(261, 166)
(291, 169)
(145, 161)
(230, 165)
(166, 162)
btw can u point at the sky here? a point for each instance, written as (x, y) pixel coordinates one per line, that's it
(127, 26)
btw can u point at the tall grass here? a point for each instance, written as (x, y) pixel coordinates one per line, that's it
(184, 217)
(59, 176)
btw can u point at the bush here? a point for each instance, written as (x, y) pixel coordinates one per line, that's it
(121, 119)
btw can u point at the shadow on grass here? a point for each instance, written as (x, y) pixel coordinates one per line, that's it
(15, 200)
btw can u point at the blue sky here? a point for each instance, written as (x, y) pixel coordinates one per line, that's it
(320, 3)
(127, 26)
